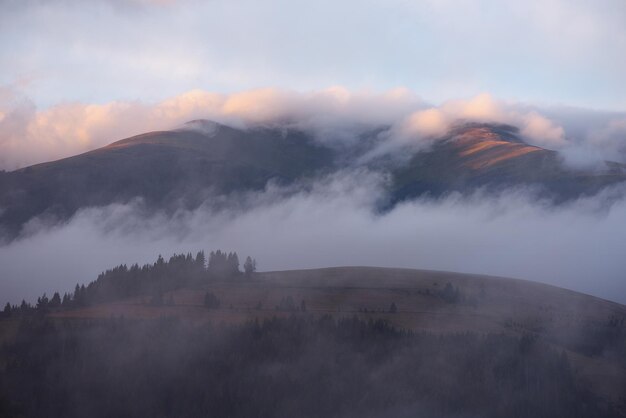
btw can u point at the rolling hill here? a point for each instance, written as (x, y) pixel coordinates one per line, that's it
(440, 343)
(590, 330)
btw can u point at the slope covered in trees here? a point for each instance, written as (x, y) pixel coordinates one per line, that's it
(288, 367)
(121, 282)
(194, 336)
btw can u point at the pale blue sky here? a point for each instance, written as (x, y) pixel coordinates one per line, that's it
(566, 52)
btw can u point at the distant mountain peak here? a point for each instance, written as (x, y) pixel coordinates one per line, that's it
(483, 145)
(204, 126)
(481, 131)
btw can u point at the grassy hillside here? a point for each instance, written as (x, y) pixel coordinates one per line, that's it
(464, 332)
(589, 329)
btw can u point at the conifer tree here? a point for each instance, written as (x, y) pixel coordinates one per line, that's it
(249, 266)
(201, 260)
(55, 302)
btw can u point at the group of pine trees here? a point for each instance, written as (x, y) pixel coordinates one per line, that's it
(121, 282)
(222, 264)
(69, 300)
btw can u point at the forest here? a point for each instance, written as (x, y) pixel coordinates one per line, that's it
(121, 282)
(295, 362)
(301, 366)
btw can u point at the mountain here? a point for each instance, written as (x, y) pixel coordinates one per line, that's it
(187, 166)
(490, 155)
(166, 168)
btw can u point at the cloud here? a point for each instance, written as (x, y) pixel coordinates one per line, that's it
(577, 245)
(543, 131)
(611, 138)
(336, 114)
(429, 123)
(534, 127)
(556, 51)
(482, 107)
(29, 136)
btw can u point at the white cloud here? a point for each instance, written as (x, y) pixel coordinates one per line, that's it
(535, 128)
(542, 131)
(427, 123)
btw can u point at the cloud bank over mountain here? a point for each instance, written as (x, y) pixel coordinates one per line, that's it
(29, 135)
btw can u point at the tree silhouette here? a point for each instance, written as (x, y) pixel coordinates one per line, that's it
(450, 294)
(42, 302)
(67, 300)
(55, 302)
(24, 307)
(233, 263)
(249, 266)
(223, 265)
(200, 260)
(163, 276)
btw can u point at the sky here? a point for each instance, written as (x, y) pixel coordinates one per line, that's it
(558, 52)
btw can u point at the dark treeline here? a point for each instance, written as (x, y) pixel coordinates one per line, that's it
(152, 279)
(299, 366)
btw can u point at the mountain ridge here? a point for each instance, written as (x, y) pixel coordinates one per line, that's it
(204, 159)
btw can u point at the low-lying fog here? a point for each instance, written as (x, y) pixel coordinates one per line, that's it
(579, 245)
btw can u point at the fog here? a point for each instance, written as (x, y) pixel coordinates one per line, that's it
(578, 245)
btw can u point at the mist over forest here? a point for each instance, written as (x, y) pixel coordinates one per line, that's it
(576, 245)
